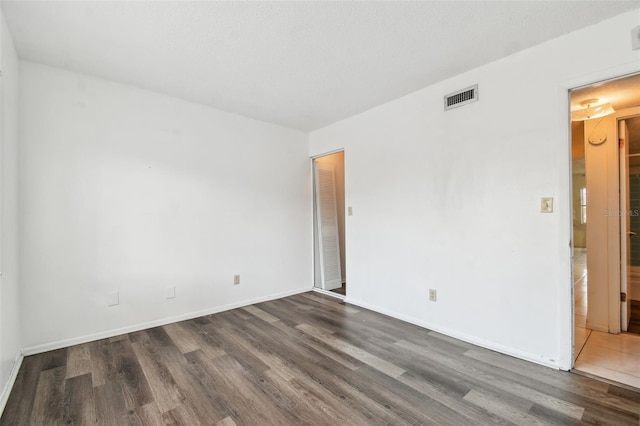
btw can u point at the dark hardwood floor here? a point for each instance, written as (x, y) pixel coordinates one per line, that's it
(341, 290)
(306, 359)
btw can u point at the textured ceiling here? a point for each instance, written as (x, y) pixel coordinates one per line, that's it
(299, 64)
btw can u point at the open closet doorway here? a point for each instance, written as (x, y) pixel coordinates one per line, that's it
(329, 224)
(606, 228)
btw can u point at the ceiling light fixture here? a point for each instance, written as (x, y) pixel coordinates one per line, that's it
(591, 109)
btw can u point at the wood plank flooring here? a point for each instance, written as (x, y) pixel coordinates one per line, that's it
(306, 359)
(634, 323)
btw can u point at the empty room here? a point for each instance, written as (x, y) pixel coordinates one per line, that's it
(284, 213)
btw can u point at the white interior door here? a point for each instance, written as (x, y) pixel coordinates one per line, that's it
(327, 226)
(625, 226)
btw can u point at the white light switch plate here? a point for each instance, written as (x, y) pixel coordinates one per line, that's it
(546, 205)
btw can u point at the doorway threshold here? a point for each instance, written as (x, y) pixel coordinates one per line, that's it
(611, 357)
(329, 293)
(605, 380)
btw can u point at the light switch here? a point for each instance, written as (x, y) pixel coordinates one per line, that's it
(546, 205)
(350, 211)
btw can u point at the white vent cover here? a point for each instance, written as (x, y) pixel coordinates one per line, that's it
(461, 97)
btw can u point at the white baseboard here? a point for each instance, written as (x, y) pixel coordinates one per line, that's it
(32, 350)
(537, 359)
(4, 396)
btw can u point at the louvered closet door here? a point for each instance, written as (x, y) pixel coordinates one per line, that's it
(327, 223)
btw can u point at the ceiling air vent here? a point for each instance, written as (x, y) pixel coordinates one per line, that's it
(461, 97)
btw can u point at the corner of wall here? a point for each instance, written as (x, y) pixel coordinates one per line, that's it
(10, 333)
(6, 390)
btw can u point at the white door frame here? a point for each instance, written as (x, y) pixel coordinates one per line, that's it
(567, 358)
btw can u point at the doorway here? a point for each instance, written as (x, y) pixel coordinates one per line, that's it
(629, 137)
(329, 224)
(606, 228)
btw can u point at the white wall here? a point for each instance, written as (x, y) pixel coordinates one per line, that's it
(451, 200)
(9, 298)
(132, 191)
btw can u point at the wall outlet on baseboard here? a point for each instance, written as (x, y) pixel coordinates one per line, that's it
(236, 279)
(433, 295)
(635, 38)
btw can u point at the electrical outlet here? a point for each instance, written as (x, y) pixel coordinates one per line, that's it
(350, 211)
(113, 299)
(236, 279)
(433, 295)
(635, 38)
(170, 292)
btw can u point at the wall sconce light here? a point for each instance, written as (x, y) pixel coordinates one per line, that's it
(591, 109)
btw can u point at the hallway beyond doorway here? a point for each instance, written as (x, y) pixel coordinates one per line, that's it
(614, 357)
(581, 333)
